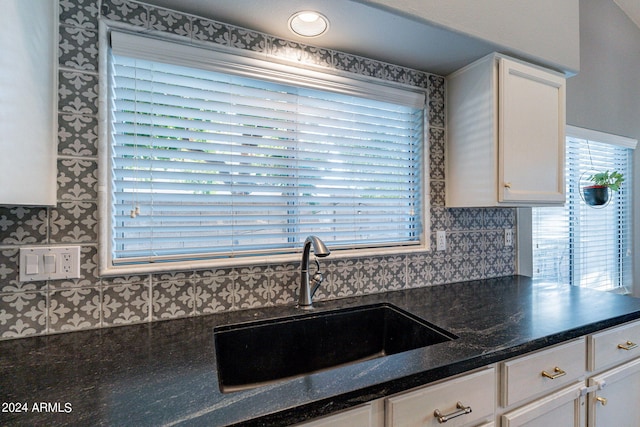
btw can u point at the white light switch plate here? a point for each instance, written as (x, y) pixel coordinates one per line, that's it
(441, 240)
(49, 263)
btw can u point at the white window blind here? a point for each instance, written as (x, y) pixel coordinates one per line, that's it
(208, 164)
(583, 245)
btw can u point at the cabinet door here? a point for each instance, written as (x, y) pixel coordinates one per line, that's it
(28, 102)
(617, 403)
(531, 134)
(563, 408)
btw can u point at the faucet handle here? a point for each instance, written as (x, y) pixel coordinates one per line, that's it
(317, 279)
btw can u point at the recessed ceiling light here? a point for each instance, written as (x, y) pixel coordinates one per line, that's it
(308, 23)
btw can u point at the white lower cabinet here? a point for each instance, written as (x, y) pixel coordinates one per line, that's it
(591, 381)
(604, 390)
(468, 400)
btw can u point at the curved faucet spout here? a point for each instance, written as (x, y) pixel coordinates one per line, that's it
(306, 293)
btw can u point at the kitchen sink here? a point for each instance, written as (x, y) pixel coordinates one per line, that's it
(253, 354)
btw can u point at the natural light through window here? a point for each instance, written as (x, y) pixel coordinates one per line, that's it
(209, 164)
(582, 244)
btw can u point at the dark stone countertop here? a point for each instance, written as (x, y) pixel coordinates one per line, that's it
(164, 373)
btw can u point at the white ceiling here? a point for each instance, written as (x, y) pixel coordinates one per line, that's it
(355, 27)
(359, 28)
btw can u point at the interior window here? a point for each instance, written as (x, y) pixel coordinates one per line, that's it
(582, 243)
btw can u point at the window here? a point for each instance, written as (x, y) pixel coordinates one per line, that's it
(221, 157)
(583, 245)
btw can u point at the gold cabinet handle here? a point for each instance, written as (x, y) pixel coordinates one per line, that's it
(602, 400)
(461, 410)
(628, 345)
(557, 373)
(507, 185)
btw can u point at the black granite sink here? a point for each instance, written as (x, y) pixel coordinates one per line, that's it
(258, 353)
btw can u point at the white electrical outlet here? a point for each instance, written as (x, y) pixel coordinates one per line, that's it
(49, 263)
(508, 237)
(441, 240)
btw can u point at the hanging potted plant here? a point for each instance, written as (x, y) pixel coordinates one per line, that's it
(597, 194)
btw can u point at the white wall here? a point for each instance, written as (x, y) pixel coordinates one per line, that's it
(545, 31)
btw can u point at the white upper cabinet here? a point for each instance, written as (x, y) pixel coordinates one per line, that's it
(28, 102)
(505, 143)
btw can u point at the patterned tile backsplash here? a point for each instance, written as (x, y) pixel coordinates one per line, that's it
(475, 236)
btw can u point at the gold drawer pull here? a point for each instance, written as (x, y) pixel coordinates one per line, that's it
(628, 345)
(461, 411)
(557, 373)
(507, 185)
(602, 400)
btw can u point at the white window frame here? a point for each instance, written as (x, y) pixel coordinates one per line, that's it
(186, 54)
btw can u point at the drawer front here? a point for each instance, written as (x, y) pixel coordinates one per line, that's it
(614, 346)
(356, 417)
(543, 371)
(450, 399)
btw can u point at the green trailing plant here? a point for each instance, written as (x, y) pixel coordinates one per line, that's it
(613, 180)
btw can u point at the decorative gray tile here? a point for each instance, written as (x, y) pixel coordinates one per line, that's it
(10, 270)
(418, 270)
(499, 264)
(437, 193)
(78, 48)
(469, 268)
(125, 304)
(208, 289)
(436, 154)
(466, 243)
(23, 314)
(441, 219)
(347, 277)
(441, 270)
(247, 40)
(499, 218)
(126, 11)
(77, 135)
(23, 226)
(77, 179)
(78, 93)
(232, 295)
(286, 281)
(393, 274)
(493, 241)
(210, 31)
(74, 222)
(169, 21)
(346, 62)
(287, 49)
(256, 286)
(416, 78)
(436, 101)
(74, 309)
(79, 13)
(172, 296)
(467, 218)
